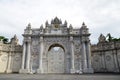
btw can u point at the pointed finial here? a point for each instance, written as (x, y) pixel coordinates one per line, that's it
(52, 21)
(70, 26)
(41, 27)
(15, 37)
(65, 22)
(60, 21)
(46, 23)
(83, 24)
(29, 25)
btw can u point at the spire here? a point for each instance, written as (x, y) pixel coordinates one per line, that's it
(41, 27)
(46, 23)
(65, 23)
(83, 25)
(29, 25)
(70, 26)
(15, 37)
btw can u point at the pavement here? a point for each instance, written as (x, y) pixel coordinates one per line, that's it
(59, 77)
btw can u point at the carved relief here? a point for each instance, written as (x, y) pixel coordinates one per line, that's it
(96, 58)
(4, 58)
(108, 57)
(17, 57)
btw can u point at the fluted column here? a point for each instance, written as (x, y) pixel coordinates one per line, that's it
(84, 55)
(24, 53)
(116, 62)
(40, 69)
(23, 56)
(72, 55)
(89, 54)
(88, 67)
(28, 57)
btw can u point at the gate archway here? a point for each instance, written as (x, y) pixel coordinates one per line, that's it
(56, 59)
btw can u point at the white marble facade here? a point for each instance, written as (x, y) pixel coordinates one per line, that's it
(10, 56)
(59, 48)
(56, 48)
(106, 55)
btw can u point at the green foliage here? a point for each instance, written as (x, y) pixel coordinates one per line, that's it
(2, 37)
(110, 38)
(5, 40)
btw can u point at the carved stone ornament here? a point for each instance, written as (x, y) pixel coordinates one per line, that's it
(108, 57)
(4, 58)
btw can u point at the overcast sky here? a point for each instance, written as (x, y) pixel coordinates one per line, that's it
(100, 16)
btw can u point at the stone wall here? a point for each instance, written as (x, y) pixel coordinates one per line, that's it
(106, 55)
(10, 56)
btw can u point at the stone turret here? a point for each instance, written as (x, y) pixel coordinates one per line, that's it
(84, 29)
(65, 23)
(14, 40)
(28, 29)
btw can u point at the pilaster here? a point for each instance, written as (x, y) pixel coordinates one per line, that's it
(25, 67)
(40, 69)
(72, 55)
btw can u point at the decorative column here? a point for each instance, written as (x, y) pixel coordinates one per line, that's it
(89, 66)
(22, 70)
(89, 54)
(40, 69)
(28, 57)
(23, 56)
(115, 61)
(72, 55)
(25, 67)
(84, 56)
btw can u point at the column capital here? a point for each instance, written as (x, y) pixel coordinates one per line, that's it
(71, 38)
(41, 38)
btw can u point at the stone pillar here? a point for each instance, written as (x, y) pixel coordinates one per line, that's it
(25, 67)
(84, 56)
(115, 61)
(9, 63)
(72, 55)
(28, 57)
(23, 58)
(40, 69)
(87, 57)
(88, 53)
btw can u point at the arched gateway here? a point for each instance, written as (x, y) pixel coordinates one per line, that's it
(55, 57)
(56, 49)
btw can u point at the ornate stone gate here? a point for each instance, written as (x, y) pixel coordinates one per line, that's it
(58, 49)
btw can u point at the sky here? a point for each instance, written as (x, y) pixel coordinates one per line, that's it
(100, 16)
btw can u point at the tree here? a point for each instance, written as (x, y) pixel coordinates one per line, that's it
(5, 40)
(110, 38)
